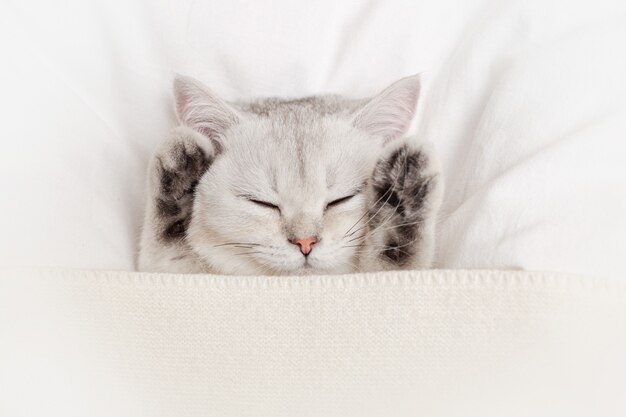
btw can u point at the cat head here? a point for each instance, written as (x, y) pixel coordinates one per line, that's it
(287, 189)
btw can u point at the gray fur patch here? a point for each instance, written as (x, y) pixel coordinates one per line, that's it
(177, 183)
(167, 208)
(320, 105)
(176, 230)
(401, 190)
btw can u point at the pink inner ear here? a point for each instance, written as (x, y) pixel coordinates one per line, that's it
(182, 102)
(389, 114)
(202, 110)
(184, 91)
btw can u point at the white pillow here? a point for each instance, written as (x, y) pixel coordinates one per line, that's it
(524, 102)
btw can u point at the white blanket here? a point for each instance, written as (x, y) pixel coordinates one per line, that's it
(439, 343)
(524, 101)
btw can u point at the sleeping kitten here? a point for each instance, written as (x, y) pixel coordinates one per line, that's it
(314, 185)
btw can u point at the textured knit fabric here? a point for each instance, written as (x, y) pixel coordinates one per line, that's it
(432, 343)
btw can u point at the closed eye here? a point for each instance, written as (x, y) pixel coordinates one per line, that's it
(339, 201)
(264, 204)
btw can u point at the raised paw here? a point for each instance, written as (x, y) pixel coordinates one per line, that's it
(177, 166)
(405, 199)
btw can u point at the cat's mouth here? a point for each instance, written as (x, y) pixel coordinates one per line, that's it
(304, 268)
(307, 269)
(310, 268)
(292, 265)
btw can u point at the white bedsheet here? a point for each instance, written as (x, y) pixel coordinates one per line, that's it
(524, 102)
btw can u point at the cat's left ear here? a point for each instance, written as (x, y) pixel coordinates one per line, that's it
(389, 114)
(202, 110)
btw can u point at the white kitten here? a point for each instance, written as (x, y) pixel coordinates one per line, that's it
(314, 185)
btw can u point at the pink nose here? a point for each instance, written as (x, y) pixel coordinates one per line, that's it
(305, 244)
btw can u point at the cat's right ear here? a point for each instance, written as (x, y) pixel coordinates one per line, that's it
(202, 110)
